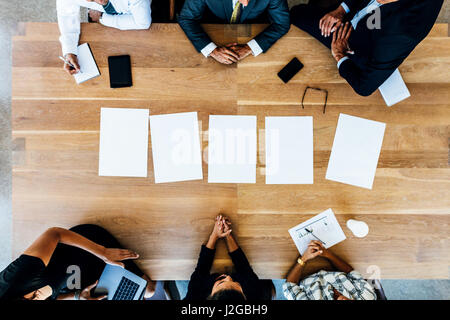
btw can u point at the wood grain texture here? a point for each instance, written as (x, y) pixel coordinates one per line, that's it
(56, 133)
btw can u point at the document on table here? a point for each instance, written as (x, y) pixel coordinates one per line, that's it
(176, 147)
(289, 150)
(323, 227)
(355, 152)
(87, 63)
(232, 149)
(123, 142)
(394, 89)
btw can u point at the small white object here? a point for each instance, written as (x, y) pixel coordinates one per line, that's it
(323, 226)
(394, 89)
(123, 148)
(359, 228)
(232, 149)
(176, 147)
(289, 150)
(355, 152)
(87, 64)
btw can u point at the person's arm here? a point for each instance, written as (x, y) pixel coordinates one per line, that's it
(84, 294)
(68, 13)
(296, 272)
(140, 17)
(337, 262)
(45, 245)
(279, 15)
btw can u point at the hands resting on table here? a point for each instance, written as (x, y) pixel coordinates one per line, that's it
(231, 53)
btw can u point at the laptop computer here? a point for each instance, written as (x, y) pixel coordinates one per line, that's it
(120, 284)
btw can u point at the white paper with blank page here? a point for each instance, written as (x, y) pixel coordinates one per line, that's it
(323, 227)
(87, 64)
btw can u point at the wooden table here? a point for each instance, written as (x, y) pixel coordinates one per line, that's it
(56, 136)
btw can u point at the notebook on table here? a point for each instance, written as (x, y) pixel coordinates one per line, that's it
(88, 66)
(394, 89)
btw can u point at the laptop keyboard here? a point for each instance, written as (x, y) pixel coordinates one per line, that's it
(126, 290)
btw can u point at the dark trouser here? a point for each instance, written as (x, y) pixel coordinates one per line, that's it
(306, 17)
(91, 266)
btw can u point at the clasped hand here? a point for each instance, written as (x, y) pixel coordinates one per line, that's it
(231, 53)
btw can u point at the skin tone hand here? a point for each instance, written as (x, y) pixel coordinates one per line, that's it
(86, 293)
(339, 46)
(218, 232)
(224, 55)
(72, 58)
(331, 21)
(114, 256)
(95, 15)
(242, 50)
(312, 251)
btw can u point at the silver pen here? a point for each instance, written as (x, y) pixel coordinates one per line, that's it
(67, 61)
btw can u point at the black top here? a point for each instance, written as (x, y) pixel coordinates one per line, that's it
(202, 281)
(27, 274)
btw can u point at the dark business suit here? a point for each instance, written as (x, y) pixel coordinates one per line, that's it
(378, 52)
(202, 281)
(195, 12)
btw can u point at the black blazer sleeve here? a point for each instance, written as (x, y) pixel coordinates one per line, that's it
(189, 20)
(242, 265)
(198, 287)
(353, 5)
(278, 11)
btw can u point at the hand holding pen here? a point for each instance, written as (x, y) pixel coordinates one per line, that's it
(71, 63)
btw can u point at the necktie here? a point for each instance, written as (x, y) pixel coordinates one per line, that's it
(236, 13)
(109, 8)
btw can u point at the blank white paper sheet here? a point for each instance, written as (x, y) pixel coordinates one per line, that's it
(394, 89)
(87, 64)
(355, 152)
(289, 150)
(232, 149)
(123, 142)
(176, 147)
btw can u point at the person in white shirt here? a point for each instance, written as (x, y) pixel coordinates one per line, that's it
(120, 14)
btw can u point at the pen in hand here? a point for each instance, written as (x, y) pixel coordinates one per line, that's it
(67, 62)
(309, 231)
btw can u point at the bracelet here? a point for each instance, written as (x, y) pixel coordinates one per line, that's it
(300, 262)
(77, 294)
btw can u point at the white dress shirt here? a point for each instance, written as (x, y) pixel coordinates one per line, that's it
(132, 14)
(372, 5)
(254, 46)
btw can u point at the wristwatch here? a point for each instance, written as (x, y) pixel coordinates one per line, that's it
(300, 262)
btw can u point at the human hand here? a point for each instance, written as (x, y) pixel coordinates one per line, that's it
(312, 251)
(114, 256)
(86, 293)
(331, 21)
(242, 50)
(73, 59)
(339, 46)
(95, 15)
(219, 228)
(224, 55)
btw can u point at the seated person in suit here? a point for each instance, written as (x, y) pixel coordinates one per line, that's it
(239, 286)
(344, 284)
(43, 271)
(369, 39)
(120, 14)
(195, 12)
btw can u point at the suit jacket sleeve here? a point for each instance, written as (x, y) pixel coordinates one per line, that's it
(198, 285)
(242, 265)
(189, 21)
(279, 15)
(353, 4)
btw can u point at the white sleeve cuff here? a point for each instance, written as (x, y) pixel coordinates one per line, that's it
(107, 20)
(206, 51)
(341, 60)
(345, 6)
(256, 49)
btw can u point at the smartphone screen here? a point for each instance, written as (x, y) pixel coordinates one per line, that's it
(290, 70)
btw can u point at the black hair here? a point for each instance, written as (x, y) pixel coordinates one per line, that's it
(228, 295)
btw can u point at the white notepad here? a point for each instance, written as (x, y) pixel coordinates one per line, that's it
(289, 150)
(176, 147)
(232, 149)
(123, 142)
(355, 152)
(323, 227)
(394, 89)
(87, 63)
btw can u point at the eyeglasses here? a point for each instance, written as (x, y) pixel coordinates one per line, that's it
(317, 89)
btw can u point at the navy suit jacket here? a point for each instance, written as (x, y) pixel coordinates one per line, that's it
(379, 52)
(194, 12)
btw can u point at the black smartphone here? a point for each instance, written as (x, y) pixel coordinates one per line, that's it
(120, 71)
(290, 70)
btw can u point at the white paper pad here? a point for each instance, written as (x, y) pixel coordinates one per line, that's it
(356, 149)
(394, 89)
(87, 64)
(176, 147)
(289, 150)
(123, 142)
(232, 149)
(324, 226)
